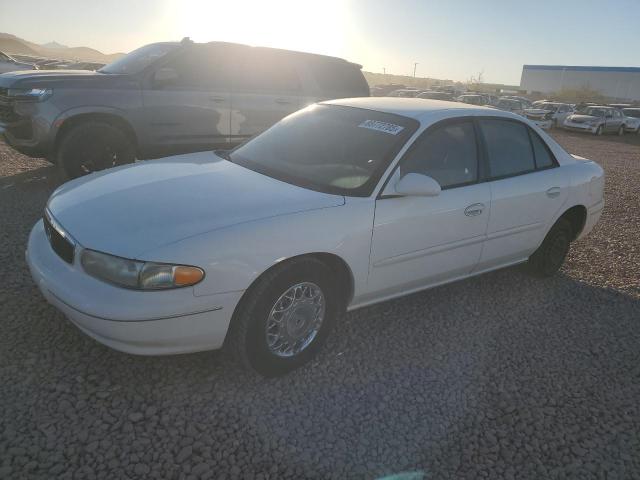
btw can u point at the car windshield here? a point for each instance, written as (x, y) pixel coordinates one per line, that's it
(328, 148)
(139, 59)
(595, 112)
(632, 112)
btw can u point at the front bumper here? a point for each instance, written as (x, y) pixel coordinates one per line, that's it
(632, 129)
(580, 127)
(143, 323)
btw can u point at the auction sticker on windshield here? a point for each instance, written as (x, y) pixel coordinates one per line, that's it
(385, 127)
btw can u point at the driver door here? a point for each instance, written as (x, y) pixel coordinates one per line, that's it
(419, 241)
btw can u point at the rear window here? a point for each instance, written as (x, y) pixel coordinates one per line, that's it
(339, 79)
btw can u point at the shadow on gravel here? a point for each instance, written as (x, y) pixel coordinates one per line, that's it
(39, 177)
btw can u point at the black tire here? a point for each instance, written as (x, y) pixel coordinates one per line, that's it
(598, 131)
(247, 337)
(93, 146)
(621, 131)
(549, 257)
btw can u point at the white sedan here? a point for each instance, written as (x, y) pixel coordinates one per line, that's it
(340, 205)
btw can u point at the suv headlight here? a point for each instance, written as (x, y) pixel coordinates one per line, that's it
(139, 275)
(30, 94)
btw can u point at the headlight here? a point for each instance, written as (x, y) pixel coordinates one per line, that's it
(139, 275)
(30, 94)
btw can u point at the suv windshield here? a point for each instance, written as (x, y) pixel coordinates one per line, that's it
(329, 148)
(139, 59)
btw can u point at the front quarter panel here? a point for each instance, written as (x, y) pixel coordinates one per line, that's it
(234, 257)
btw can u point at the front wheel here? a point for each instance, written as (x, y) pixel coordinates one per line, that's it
(285, 317)
(598, 131)
(621, 131)
(549, 257)
(93, 146)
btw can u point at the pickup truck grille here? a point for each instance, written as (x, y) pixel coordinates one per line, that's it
(61, 245)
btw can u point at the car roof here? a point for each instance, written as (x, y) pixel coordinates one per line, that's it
(416, 108)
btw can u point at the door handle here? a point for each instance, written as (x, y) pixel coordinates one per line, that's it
(283, 101)
(474, 210)
(553, 192)
(216, 99)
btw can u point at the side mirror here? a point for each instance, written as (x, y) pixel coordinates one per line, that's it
(165, 76)
(417, 185)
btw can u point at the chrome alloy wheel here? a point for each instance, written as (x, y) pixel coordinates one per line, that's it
(295, 319)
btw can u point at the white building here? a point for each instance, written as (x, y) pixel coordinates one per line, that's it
(616, 82)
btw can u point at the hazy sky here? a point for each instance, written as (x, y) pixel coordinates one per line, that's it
(449, 39)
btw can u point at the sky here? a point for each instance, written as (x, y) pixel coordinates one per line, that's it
(448, 39)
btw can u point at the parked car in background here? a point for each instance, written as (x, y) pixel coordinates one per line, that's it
(473, 99)
(436, 95)
(165, 98)
(549, 114)
(405, 93)
(632, 119)
(510, 105)
(526, 103)
(597, 120)
(10, 64)
(342, 205)
(384, 90)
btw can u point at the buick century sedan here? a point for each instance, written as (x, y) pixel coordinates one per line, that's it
(343, 204)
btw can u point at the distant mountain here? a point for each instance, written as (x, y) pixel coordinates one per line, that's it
(11, 44)
(54, 45)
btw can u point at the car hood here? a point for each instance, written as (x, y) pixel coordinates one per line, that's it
(53, 78)
(133, 209)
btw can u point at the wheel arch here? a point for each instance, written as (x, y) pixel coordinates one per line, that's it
(334, 262)
(577, 216)
(69, 121)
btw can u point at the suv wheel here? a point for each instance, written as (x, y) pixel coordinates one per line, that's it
(93, 146)
(285, 317)
(549, 257)
(621, 131)
(598, 130)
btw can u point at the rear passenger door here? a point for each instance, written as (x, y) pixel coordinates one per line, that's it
(187, 101)
(265, 89)
(527, 190)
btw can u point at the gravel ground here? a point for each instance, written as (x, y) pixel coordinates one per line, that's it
(501, 376)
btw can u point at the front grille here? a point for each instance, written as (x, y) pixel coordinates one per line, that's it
(61, 245)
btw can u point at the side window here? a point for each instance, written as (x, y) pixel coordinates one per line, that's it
(265, 72)
(541, 151)
(508, 147)
(448, 154)
(200, 69)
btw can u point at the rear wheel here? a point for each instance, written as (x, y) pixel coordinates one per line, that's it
(549, 257)
(93, 146)
(285, 317)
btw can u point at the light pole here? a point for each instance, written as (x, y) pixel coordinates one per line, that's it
(415, 64)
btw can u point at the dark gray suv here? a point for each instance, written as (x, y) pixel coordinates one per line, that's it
(162, 99)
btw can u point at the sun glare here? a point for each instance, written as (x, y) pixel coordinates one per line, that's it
(291, 24)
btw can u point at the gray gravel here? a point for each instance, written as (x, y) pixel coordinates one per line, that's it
(501, 376)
